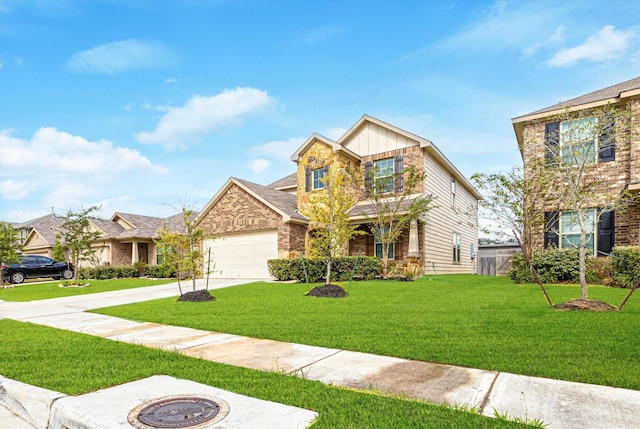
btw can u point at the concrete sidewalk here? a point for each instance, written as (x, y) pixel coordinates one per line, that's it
(559, 404)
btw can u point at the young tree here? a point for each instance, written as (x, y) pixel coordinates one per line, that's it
(58, 250)
(77, 236)
(393, 202)
(577, 144)
(328, 216)
(10, 246)
(180, 248)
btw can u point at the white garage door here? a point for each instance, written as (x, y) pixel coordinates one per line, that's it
(242, 256)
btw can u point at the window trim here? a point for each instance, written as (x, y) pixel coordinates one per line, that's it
(317, 174)
(454, 188)
(564, 141)
(456, 247)
(388, 186)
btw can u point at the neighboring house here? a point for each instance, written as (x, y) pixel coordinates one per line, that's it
(254, 223)
(619, 163)
(124, 239)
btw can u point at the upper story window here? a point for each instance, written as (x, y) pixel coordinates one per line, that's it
(453, 193)
(384, 175)
(580, 141)
(318, 175)
(577, 141)
(313, 178)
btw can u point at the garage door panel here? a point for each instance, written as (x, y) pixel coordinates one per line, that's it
(242, 255)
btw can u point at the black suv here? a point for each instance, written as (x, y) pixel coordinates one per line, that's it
(36, 266)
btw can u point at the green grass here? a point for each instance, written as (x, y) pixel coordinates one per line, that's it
(73, 364)
(471, 321)
(36, 291)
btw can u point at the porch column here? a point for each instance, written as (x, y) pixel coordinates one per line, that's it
(134, 252)
(414, 246)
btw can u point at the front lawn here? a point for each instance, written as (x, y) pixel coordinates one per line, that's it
(74, 363)
(37, 291)
(472, 321)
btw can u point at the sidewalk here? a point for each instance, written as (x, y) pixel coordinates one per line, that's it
(559, 404)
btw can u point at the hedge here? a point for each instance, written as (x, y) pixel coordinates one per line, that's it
(104, 272)
(622, 269)
(315, 269)
(626, 265)
(552, 266)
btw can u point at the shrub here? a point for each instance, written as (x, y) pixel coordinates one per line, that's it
(314, 269)
(160, 271)
(552, 265)
(626, 265)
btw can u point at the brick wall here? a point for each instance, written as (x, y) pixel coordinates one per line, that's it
(238, 211)
(612, 177)
(412, 157)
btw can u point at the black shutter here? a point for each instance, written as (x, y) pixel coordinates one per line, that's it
(307, 179)
(607, 140)
(397, 172)
(551, 142)
(606, 233)
(551, 228)
(368, 177)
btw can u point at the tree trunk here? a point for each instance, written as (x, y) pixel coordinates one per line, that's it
(328, 278)
(582, 256)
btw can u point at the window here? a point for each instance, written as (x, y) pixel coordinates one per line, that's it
(570, 230)
(456, 247)
(383, 178)
(453, 193)
(577, 141)
(380, 247)
(318, 175)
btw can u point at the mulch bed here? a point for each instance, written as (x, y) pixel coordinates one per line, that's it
(585, 304)
(327, 291)
(196, 296)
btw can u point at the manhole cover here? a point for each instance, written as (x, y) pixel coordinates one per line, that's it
(179, 412)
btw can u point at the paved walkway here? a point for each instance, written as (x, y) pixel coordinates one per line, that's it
(559, 404)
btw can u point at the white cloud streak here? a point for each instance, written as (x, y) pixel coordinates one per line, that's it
(203, 115)
(606, 44)
(65, 167)
(122, 56)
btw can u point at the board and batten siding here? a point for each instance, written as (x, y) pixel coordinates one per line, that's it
(372, 138)
(443, 220)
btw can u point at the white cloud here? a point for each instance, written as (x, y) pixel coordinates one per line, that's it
(65, 167)
(555, 39)
(606, 44)
(205, 114)
(278, 150)
(258, 165)
(122, 56)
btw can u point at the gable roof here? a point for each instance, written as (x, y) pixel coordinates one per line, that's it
(610, 95)
(281, 202)
(45, 226)
(334, 145)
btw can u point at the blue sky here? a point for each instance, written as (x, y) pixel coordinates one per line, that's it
(141, 106)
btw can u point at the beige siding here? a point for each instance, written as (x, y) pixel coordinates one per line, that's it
(443, 221)
(371, 139)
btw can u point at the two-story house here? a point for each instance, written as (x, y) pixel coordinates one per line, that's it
(253, 223)
(613, 165)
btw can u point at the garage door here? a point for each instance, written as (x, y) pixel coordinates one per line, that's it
(242, 256)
